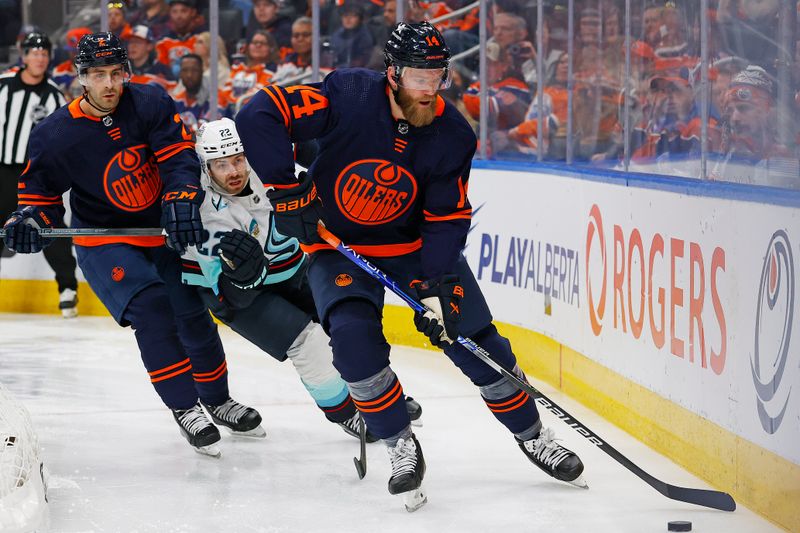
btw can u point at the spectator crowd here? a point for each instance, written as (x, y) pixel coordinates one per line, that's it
(753, 89)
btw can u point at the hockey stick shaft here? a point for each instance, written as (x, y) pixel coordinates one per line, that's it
(707, 498)
(96, 232)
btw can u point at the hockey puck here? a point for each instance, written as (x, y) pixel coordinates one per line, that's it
(679, 525)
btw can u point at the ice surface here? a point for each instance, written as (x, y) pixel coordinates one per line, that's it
(118, 463)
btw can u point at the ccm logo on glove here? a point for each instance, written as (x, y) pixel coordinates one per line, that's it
(180, 195)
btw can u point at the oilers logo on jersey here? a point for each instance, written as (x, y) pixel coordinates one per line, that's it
(374, 191)
(131, 180)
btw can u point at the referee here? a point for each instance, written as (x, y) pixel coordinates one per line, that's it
(26, 97)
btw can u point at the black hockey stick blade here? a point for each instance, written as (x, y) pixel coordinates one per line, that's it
(706, 498)
(96, 232)
(361, 463)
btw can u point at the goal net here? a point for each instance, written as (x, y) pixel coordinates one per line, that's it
(23, 502)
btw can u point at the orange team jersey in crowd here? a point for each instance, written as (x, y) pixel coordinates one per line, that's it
(435, 10)
(508, 101)
(555, 113)
(193, 113)
(126, 32)
(243, 80)
(64, 74)
(684, 139)
(170, 50)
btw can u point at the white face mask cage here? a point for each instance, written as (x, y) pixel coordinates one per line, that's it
(423, 79)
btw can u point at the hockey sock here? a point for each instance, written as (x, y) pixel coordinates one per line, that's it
(200, 338)
(382, 403)
(514, 408)
(149, 314)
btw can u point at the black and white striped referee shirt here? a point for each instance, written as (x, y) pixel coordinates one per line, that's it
(22, 106)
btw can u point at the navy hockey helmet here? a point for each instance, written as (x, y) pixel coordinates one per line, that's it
(34, 40)
(417, 45)
(99, 50)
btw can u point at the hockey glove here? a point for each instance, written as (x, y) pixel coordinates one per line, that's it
(180, 217)
(243, 259)
(22, 230)
(297, 210)
(442, 296)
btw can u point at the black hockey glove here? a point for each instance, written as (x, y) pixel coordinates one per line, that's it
(243, 259)
(180, 217)
(442, 296)
(297, 210)
(22, 230)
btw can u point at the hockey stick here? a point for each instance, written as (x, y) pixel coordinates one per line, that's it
(707, 498)
(96, 232)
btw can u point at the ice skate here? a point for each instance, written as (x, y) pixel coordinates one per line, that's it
(239, 419)
(408, 469)
(68, 303)
(198, 430)
(557, 461)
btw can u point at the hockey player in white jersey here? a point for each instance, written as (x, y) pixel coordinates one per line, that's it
(253, 278)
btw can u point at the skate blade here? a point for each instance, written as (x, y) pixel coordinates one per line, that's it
(255, 433)
(414, 499)
(212, 450)
(579, 482)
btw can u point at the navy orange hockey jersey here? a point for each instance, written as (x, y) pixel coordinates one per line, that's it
(387, 188)
(116, 167)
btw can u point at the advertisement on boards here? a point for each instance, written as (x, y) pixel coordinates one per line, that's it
(692, 297)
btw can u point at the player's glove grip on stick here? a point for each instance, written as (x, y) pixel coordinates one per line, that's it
(22, 230)
(442, 296)
(297, 210)
(243, 259)
(180, 218)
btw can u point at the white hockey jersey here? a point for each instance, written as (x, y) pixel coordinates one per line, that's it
(222, 212)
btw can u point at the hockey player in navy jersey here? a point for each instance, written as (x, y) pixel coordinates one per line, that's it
(390, 180)
(123, 153)
(253, 278)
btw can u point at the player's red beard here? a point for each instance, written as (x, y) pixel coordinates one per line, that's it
(418, 115)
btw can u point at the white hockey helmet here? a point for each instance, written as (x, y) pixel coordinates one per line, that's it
(217, 139)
